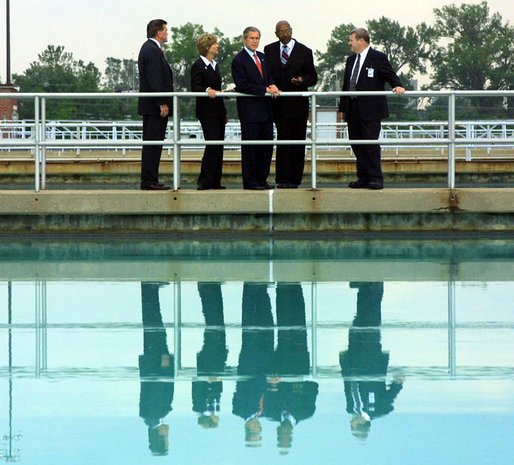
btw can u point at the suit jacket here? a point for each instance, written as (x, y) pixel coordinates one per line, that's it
(203, 77)
(155, 75)
(300, 63)
(377, 64)
(248, 80)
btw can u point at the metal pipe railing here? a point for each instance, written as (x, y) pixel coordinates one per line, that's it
(40, 142)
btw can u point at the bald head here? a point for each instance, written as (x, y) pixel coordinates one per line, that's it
(283, 31)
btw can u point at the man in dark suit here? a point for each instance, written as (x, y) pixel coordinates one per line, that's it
(251, 75)
(155, 75)
(366, 70)
(292, 69)
(156, 370)
(211, 111)
(364, 364)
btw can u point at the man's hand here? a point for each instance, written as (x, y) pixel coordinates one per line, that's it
(399, 90)
(164, 110)
(273, 90)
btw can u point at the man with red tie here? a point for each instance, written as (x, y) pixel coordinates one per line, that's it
(251, 75)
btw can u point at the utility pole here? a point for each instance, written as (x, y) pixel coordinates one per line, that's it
(8, 42)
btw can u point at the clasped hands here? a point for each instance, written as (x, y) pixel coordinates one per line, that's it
(273, 90)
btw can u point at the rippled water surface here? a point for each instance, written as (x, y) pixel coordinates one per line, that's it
(121, 351)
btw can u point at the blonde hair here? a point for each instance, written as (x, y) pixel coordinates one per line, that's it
(204, 42)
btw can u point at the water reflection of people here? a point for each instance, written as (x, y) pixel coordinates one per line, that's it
(255, 359)
(290, 401)
(156, 369)
(364, 364)
(211, 360)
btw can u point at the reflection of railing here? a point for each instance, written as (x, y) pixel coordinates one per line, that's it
(40, 141)
(41, 327)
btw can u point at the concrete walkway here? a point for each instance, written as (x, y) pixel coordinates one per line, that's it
(332, 210)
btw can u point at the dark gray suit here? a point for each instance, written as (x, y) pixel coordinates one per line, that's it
(290, 113)
(364, 114)
(155, 75)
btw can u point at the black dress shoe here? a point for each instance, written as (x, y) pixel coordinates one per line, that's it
(357, 184)
(254, 188)
(201, 187)
(375, 185)
(154, 187)
(268, 186)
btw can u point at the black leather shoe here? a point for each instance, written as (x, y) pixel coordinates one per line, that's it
(357, 185)
(375, 185)
(286, 186)
(154, 187)
(255, 188)
(268, 186)
(201, 187)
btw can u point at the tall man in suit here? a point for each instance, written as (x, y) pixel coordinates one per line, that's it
(251, 75)
(366, 70)
(364, 365)
(155, 75)
(292, 69)
(156, 370)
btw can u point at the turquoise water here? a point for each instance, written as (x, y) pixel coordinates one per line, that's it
(121, 351)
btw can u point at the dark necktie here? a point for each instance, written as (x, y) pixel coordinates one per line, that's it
(284, 56)
(355, 74)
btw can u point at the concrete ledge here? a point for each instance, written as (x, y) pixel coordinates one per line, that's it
(237, 201)
(258, 211)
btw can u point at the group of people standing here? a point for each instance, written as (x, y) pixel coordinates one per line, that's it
(285, 66)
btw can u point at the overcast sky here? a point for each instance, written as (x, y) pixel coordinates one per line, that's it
(96, 29)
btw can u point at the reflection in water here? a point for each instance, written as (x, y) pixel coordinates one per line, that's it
(211, 360)
(255, 359)
(156, 369)
(290, 401)
(364, 364)
(270, 384)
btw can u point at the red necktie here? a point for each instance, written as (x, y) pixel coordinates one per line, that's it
(258, 63)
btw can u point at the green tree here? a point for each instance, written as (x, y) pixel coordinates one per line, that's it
(181, 53)
(331, 62)
(478, 55)
(121, 75)
(57, 71)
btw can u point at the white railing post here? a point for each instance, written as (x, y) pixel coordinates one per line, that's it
(176, 146)
(43, 139)
(37, 147)
(451, 143)
(313, 142)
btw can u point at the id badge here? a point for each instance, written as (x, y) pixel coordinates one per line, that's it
(371, 72)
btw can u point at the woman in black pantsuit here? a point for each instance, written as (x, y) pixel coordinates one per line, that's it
(210, 110)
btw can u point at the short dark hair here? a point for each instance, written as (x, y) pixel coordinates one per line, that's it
(250, 29)
(361, 33)
(154, 26)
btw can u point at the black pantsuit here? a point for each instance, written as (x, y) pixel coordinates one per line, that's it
(212, 115)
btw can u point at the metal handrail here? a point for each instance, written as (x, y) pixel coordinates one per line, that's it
(40, 143)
